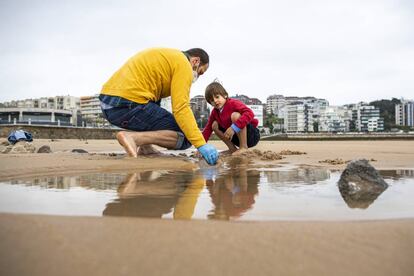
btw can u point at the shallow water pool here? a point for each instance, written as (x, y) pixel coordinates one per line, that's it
(234, 192)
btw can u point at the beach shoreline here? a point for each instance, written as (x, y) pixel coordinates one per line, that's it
(384, 155)
(65, 245)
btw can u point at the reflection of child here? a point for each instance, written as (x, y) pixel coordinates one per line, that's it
(230, 117)
(233, 195)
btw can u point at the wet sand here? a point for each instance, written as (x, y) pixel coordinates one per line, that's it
(387, 155)
(53, 245)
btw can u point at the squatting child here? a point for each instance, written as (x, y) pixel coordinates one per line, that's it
(231, 120)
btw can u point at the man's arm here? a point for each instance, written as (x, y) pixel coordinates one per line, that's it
(180, 100)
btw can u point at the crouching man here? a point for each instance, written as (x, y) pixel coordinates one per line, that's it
(130, 99)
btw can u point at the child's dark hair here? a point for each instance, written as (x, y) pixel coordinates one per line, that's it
(214, 89)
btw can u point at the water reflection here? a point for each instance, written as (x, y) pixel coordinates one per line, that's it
(361, 191)
(102, 181)
(299, 176)
(360, 198)
(233, 193)
(397, 174)
(153, 194)
(149, 194)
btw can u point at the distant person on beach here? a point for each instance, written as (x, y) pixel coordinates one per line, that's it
(130, 99)
(231, 120)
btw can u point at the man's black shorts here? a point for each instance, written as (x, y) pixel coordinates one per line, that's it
(253, 136)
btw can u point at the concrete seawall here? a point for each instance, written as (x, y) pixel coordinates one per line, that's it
(337, 137)
(56, 132)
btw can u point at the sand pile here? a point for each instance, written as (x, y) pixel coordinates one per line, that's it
(4, 142)
(339, 161)
(19, 147)
(336, 161)
(291, 152)
(263, 155)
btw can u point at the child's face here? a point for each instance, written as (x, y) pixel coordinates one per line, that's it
(218, 101)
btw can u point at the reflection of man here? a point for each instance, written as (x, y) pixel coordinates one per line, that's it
(150, 194)
(139, 197)
(130, 99)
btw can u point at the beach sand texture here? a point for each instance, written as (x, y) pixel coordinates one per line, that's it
(58, 245)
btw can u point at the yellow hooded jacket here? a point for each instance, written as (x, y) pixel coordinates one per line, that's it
(154, 74)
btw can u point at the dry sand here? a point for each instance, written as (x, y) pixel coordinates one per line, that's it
(50, 245)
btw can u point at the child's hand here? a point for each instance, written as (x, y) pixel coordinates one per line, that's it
(229, 133)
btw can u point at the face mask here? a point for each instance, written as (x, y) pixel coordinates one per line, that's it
(195, 76)
(195, 73)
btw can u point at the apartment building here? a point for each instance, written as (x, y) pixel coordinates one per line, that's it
(335, 119)
(90, 109)
(258, 112)
(199, 106)
(367, 118)
(295, 119)
(247, 100)
(275, 105)
(404, 113)
(58, 110)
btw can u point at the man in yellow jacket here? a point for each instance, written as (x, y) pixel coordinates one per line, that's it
(130, 99)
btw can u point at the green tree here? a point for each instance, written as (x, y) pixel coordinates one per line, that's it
(315, 126)
(271, 121)
(387, 111)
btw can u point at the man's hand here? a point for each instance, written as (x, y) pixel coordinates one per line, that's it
(209, 153)
(229, 133)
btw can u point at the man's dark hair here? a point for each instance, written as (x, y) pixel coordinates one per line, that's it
(198, 52)
(214, 89)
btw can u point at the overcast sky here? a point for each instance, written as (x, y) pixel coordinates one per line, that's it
(343, 51)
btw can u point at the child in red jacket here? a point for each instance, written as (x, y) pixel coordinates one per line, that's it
(230, 117)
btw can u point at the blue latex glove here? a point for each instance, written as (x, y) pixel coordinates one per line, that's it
(209, 153)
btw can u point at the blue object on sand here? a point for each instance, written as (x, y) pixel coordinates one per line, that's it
(19, 135)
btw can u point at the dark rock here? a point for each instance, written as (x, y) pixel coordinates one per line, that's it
(79, 151)
(44, 149)
(360, 184)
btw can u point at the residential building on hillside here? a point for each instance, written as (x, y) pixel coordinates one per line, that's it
(90, 109)
(300, 113)
(200, 110)
(57, 102)
(335, 119)
(246, 100)
(295, 118)
(367, 118)
(258, 112)
(404, 113)
(255, 105)
(200, 104)
(275, 105)
(310, 106)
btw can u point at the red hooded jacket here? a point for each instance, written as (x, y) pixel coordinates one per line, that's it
(223, 118)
